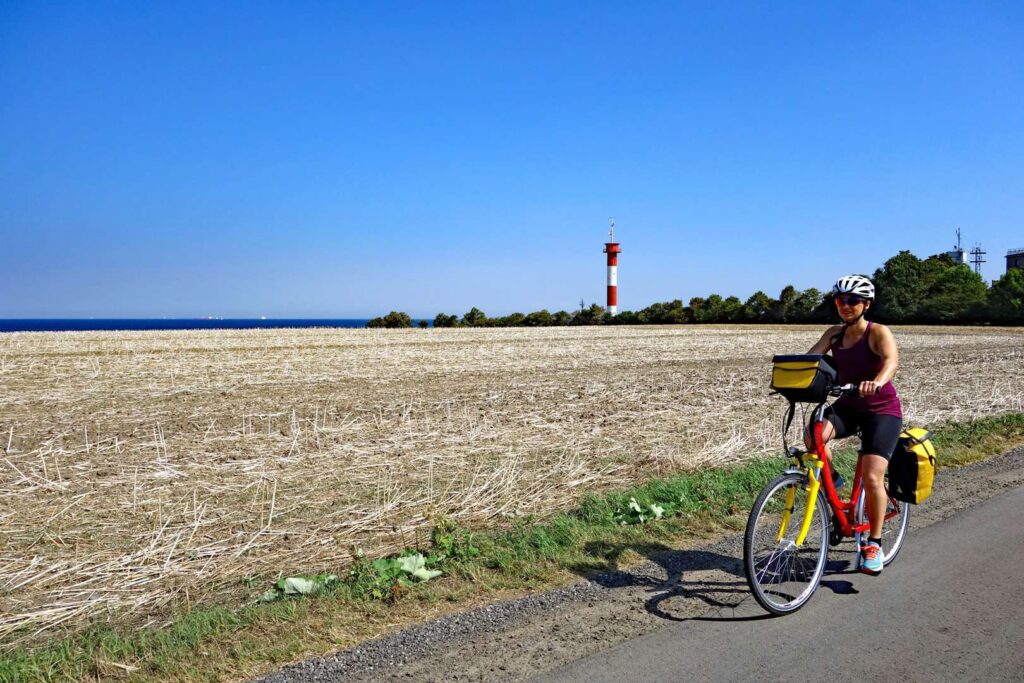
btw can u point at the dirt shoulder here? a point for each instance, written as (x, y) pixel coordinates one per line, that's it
(522, 638)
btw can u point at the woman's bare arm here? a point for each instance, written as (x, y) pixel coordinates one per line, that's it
(826, 340)
(882, 343)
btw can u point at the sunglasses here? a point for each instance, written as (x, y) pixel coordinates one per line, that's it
(849, 300)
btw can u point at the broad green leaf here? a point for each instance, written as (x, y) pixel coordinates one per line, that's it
(299, 585)
(426, 574)
(410, 564)
(383, 565)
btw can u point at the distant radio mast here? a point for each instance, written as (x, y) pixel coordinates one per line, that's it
(976, 258)
(611, 247)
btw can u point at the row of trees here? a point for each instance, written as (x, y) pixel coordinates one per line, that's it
(940, 290)
(594, 315)
(909, 290)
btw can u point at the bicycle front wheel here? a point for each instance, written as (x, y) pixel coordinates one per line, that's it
(781, 574)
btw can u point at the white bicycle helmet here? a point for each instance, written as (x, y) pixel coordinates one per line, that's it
(857, 285)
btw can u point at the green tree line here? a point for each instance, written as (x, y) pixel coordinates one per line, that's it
(910, 290)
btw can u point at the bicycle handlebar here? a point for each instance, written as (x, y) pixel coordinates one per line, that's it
(845, 390)
(848, 390)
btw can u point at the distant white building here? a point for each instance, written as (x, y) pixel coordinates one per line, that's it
(958, 255)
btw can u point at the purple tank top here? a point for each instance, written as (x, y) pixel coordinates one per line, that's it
(860, 364)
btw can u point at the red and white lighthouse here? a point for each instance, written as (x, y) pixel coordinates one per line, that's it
(611, 247)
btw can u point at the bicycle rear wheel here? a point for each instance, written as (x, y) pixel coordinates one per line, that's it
(894, 529)
(782, 575)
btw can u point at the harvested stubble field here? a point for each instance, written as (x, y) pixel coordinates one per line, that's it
(145, 472)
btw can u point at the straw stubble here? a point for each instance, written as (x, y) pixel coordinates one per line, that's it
(147, 470)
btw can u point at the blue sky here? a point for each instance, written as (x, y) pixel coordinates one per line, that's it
(345, 159)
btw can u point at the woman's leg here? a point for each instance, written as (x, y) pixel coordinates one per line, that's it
(880, 434)
(828, 430)
(872, 470)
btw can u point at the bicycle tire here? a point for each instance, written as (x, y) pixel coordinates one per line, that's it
(783, 577)
(894, 530)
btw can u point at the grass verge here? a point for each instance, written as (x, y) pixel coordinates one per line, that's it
(372, 598)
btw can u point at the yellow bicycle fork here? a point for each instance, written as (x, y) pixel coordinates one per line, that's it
(812, 464)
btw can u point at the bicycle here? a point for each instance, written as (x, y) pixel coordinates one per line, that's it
(784, 561)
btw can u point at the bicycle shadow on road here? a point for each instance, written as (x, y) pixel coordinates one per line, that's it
(682, 584)
(689, 585)
(747, 608)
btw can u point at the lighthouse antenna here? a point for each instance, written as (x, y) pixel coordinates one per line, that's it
(613, 249)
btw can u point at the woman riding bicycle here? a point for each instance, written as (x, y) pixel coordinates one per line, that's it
(866, 355)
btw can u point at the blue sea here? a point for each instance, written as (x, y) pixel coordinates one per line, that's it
(68, 324)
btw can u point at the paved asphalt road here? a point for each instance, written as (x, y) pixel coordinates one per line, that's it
(951, 607)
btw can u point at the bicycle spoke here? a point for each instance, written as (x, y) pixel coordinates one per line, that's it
(768, 564)
(763, 574)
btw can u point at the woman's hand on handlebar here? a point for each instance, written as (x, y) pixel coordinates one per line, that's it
(869, 388)
(862, 389)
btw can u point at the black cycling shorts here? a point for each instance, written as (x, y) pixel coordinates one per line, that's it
(878, 433)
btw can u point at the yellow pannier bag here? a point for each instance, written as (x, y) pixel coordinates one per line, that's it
(912, 467)
(804, 379)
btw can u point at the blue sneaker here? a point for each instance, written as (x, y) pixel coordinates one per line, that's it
(871, 558)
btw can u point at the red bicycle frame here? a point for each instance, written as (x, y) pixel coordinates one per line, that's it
(843, 511)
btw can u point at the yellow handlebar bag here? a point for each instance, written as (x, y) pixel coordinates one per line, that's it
(912, 467)
(805, 378)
